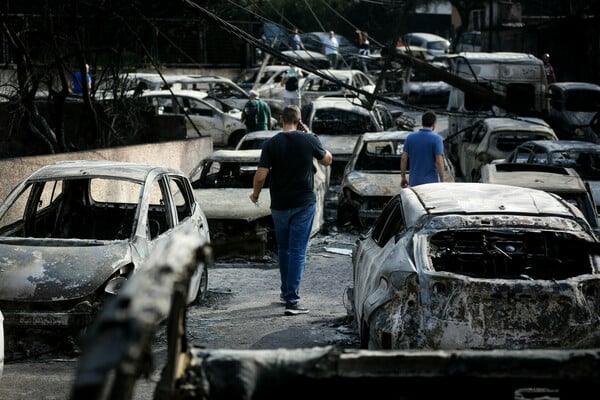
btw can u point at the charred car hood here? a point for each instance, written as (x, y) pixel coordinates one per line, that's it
(233, 203)
(43, 269)
(374, 184)
(342, 145)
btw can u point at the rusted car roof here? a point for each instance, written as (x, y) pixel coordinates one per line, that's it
(542, 177)
(460, 197)
(515, 124)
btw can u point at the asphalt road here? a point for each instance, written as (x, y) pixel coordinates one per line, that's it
(242, 311)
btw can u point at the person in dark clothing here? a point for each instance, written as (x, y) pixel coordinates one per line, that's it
(256, 114)
(548, 68)
(79, 79)
(288, 160)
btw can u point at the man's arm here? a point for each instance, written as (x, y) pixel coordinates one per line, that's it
(327, 160)
(439, 163)
(403, 164)
(257, 184)
(269, 115)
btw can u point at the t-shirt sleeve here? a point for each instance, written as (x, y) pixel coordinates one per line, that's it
(265, 160)
(318, 149)
(439, 146)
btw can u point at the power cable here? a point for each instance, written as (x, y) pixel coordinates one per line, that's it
(348, 22)
(299, 63)
(314, 15)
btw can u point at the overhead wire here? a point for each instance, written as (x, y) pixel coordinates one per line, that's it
(349, 22)
(314, 15)
(307, 54)
(292, 61)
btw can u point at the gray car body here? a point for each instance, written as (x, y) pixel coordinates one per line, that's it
(52, 279)
(562, 153)
(237, 225)
(562, 181)
(477, 266)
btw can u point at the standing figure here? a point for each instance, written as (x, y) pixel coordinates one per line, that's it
(288, 160)
(256, 114)
(330, 48)
(425, 150)
(363, 43)
(77, 80)
(548, 68)
(291, 80)
(296, 40)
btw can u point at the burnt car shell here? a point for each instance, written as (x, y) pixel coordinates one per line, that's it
(372, 176)
(222, 183)
(60, 263)
(477, 266)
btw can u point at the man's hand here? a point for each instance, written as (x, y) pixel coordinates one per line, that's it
(404, 183)
(302, 126)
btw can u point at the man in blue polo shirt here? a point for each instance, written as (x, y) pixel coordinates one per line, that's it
(425, 150)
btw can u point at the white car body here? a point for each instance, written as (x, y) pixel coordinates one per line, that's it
(205, 119)
(315, 86)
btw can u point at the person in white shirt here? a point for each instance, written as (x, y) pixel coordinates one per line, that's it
(296, 40)
(291, 80)
(330, 48)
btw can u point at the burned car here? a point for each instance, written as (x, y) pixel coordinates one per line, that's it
(562, 181)
(372, 176)
(490, 139)
(582, 156)
(315, 86)
(73, 232)
(339, 121)
(222, 183)
(477, 266)
(255, 139)
(571, 108)
(202, 117)
(420, 87)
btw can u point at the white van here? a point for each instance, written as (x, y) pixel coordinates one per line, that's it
(518, 78)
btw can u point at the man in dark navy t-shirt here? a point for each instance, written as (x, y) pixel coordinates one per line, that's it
(288, 160)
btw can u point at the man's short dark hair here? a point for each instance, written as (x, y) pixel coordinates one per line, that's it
(291, 114)
(428, 118)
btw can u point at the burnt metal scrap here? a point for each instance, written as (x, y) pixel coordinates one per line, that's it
(116, 347)
(494, 374)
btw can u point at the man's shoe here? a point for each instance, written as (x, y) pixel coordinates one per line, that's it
(294, 309)
(281, 298)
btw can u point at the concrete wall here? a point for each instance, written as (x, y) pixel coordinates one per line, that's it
(181, 154)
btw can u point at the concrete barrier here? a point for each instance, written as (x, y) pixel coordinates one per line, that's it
(181, 154)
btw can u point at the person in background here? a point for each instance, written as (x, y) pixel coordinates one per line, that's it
(77, 80)
(290, 80)
(296, 40)
(425, 150)
(330, 48)
(288, 159)
(256, 114)
(363, 43)
(548, 68)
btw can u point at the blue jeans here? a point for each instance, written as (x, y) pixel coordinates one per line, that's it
(292, 232)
